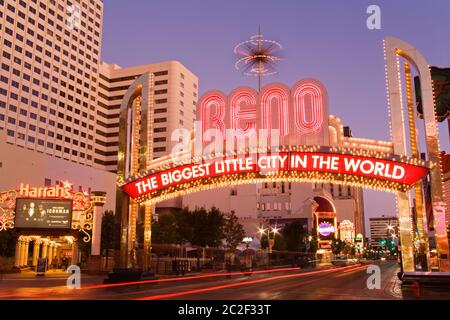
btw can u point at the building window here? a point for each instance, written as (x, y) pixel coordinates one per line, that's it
(161, 110)
(161, 73)
(160, 101)
(161, 82)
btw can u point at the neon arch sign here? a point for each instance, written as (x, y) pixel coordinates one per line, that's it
(302, 153)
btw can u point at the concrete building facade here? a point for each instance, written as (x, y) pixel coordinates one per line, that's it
(57, 98)
(50, 53)
(175, 99)
(382, 228)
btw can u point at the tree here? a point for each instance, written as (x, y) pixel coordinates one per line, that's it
(110, 233)
(199, 227)
(183, 225)
(165, 229)
(206, 227)
(348, 249)
(294, 236)
(233, 231)
(7, 243)
(314, 242)
(337, 246)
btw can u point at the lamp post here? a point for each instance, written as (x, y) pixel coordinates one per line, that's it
(262, 231)
(247, 241)
(390, 234)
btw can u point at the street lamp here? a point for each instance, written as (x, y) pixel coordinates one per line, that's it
(263, 231)
(247, 241)
(248, 262)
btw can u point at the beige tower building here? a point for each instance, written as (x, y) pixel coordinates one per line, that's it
(58, 99)
(50, 52)
(175, 99)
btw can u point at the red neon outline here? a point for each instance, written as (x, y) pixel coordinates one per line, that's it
(301, 123)
(282, 98)
(217, 120)
(238, 114)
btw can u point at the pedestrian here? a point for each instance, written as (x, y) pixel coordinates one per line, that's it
(64, 263)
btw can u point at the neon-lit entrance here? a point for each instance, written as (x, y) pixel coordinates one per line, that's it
(48, 220)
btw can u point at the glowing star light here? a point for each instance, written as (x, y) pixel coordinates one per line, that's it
(67, 184)
(258, 57)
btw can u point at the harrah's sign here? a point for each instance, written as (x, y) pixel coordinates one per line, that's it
(26, 191)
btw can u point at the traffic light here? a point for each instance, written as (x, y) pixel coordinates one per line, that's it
(392, 245)
(382, 242)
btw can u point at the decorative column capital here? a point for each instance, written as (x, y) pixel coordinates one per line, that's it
(98, 198)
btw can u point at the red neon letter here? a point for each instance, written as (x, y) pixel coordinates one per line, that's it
(282, 100)
(316, 97)
(218, 103)
(248, 114)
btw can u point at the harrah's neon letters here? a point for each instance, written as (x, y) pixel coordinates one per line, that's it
(293, 113)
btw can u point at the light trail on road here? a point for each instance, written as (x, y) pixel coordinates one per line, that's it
(355, 269)
(232, 285)
(210, 275)
(122, 284)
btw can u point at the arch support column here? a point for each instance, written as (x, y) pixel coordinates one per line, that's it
(25, 249)
(18, 254)
(135, 153)
(394, 49)
(36, 250)
(44, 248)
(148, 237)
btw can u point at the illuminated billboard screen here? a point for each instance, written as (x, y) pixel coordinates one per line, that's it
(43, 214)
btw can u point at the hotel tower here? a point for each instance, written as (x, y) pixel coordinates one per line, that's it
(59, 104)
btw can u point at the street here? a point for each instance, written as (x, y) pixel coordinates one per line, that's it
(330, 283)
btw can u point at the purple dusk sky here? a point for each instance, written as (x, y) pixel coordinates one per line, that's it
(327, 40)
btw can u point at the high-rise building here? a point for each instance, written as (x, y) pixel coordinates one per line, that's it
(383, 228)
(175, 99)
(58, 99)
(50, 53)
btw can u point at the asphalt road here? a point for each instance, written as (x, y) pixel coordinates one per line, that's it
(329, 283)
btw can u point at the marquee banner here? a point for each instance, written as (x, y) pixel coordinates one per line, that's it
(263, 165)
